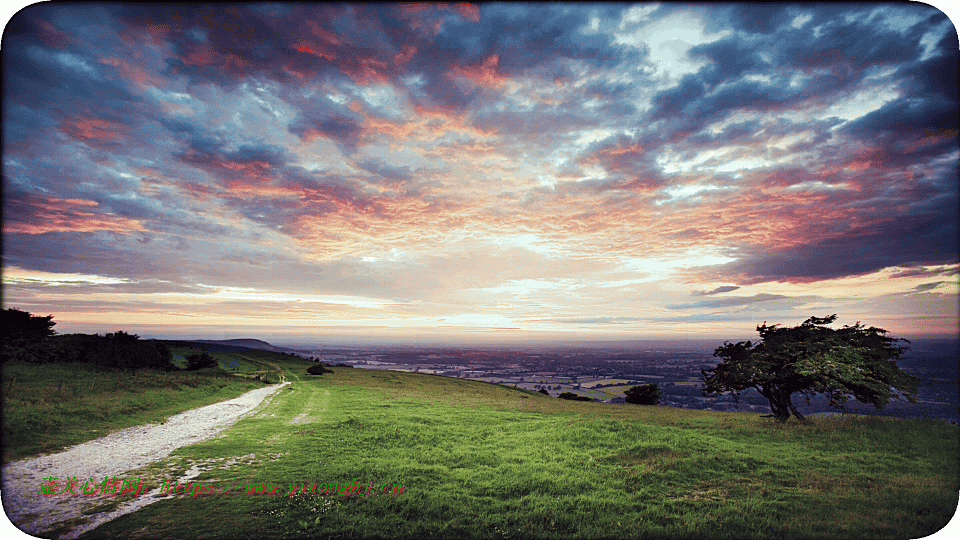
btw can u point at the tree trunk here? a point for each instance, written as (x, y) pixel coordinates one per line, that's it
(794, 409)
(780, 404)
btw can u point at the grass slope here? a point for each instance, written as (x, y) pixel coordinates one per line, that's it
(479, 460)
(49, 407)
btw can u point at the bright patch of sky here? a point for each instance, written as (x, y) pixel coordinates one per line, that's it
(669, 39)
(860, 103)
(77, 63)
(531, 242)
(589, 136)
(879, 283)
(14, 275)
(686, 191)
(530, 286)
(476, 319)
(801, 20)
(243, 293)
(637, 14)
(933, 36)
(817, 185)
(691, 258)
(381, 95)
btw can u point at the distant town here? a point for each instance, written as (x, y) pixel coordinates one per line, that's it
(603, 374)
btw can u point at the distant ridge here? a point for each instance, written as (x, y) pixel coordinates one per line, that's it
(246, 343)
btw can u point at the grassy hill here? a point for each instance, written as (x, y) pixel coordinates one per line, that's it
(243, 343)
(478, 460)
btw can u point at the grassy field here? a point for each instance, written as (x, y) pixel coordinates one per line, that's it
(483, 461)
(49, 407)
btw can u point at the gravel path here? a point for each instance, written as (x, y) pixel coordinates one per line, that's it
(113, 455)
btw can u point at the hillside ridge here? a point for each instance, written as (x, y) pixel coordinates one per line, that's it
(249, 343)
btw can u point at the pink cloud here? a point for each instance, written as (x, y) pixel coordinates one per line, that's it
(88, 129)
(38, 215)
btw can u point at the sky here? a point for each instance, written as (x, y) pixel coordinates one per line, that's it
(488, 173)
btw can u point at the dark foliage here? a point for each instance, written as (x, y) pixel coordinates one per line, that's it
(544, 391)
(318, 370)
(201, 360)
(119, 350)
(645, 394)
(75, 347)
(26, 337)
(573, 397)
(343, 365)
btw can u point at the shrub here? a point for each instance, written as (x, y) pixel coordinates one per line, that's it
(573, 397)
(197, 361)
(318, 370)
(645, 394)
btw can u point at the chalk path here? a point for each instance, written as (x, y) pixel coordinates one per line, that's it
(113, 455)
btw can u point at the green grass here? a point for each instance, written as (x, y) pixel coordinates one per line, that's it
(484, 461)
(49, 407)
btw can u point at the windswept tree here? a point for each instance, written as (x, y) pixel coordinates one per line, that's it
(853, 361)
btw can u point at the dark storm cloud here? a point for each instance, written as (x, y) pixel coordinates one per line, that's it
(909, 130)
(330, 121)
(385, 173)
(628, 159)
(267, 154)
(831, 62)
(762, 18)
(99, 253)
(920, 240)
(366, 43)
(44, 72)
(526, 38)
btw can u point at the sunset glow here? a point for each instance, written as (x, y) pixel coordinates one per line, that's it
(480, 173)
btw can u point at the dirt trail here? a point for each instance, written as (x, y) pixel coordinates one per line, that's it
(113, 455)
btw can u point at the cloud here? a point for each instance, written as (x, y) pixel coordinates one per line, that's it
(718, 290)
(927, 286)
(729, 301)
(37, 215)
(925, 272)
(919, 240)
(599, 320)
(327, 119)
(494, 158)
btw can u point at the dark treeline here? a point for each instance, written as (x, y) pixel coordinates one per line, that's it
(31, 338)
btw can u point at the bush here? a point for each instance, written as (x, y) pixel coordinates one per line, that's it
(645, 394)
(544, 392)
(318, 370)
(197, 361)
(573, 397)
